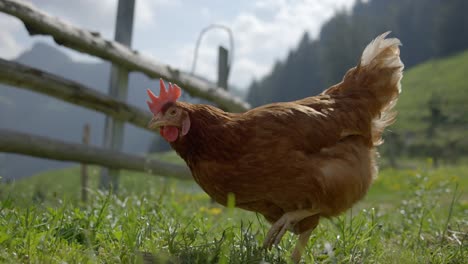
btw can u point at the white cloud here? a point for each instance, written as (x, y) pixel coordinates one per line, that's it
(266, 33)
(89, 14)
(206, 62)
(269, 5)
(247, 67)
(145, 11)
(9, 46)
(205, 12)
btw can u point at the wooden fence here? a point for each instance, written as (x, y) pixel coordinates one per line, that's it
(25, 77)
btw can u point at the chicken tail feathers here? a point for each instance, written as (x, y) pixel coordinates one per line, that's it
(377, 78)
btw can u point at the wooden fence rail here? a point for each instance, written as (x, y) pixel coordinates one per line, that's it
(42, 147)
(25, 77)
(38, 22)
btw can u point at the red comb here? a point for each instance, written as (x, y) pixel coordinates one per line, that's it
(165, 97)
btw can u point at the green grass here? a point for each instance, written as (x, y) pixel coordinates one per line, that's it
(409, 216)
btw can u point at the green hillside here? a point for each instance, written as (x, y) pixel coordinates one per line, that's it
(433, 110)
(444, 82)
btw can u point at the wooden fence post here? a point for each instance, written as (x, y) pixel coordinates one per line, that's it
(114, 129)
(3, 162)
(223, 67)
(84, 167)
(223, 72)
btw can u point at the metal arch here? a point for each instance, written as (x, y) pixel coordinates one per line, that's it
(200, 36)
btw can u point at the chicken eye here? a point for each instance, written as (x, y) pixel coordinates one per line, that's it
(172, 112)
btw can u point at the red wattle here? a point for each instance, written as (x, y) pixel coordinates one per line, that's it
(170, 133)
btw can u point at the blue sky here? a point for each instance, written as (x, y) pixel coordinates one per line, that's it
(166, 30)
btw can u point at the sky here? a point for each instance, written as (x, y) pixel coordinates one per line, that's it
(167, 30)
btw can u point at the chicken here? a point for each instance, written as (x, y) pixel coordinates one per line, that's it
(293, 162)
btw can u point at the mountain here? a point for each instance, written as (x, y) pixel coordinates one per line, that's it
(30, 112)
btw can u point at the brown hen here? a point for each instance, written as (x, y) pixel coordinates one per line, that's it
(293, 162)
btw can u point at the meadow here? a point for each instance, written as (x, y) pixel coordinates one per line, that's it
(417, 215)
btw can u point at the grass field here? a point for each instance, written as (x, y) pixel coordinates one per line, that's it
(409, 216)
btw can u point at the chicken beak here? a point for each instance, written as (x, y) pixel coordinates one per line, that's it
(156, 122)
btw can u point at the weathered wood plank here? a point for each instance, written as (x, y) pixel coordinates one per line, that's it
(29, 78)
(38, 146)
(84, 167)
(38, 22)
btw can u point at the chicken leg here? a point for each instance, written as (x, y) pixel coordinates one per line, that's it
(287, 221)
(300, 246)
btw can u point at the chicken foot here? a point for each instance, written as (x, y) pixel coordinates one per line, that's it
(287, 221)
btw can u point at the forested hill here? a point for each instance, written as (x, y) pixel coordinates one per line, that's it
(428, 29)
